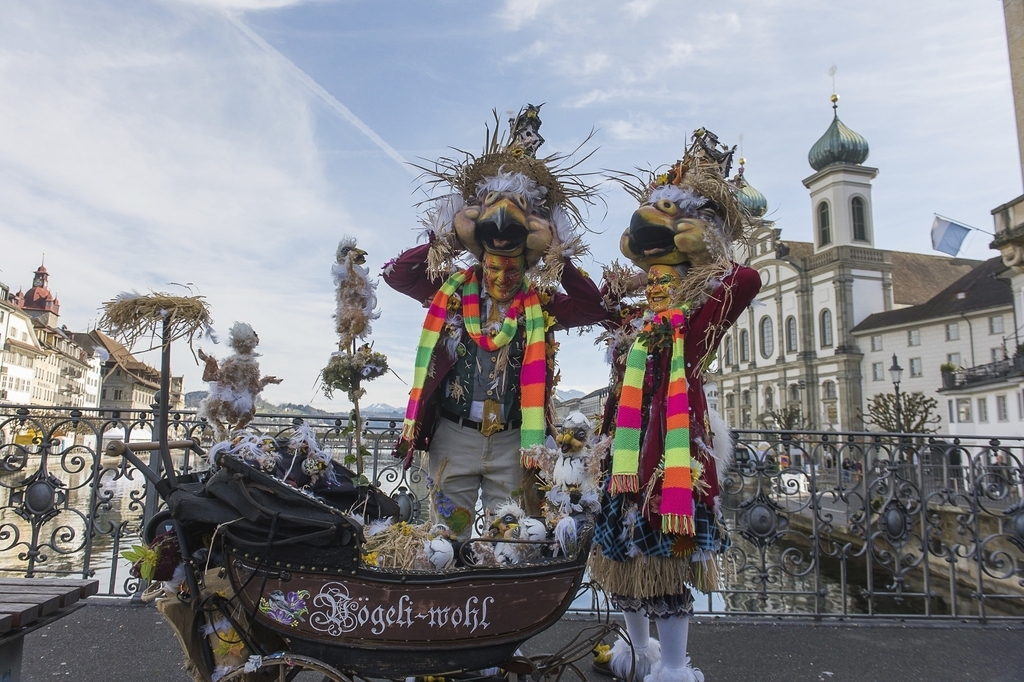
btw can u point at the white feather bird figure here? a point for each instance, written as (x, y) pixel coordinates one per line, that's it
(438, 548)
(512, 523)
(356, 294)
(234, 382)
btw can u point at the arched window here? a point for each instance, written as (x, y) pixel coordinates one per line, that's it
(794, 393)
(828, 390)
(727, 346)
(824, 225)
(791, 346)
(767, 337)
(860, 227)
(826, 328)
(744, 346)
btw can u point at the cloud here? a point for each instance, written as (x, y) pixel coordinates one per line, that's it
(638, 128)
(244, 5)
(516, 13)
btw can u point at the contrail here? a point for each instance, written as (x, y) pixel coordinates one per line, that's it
(327, 97)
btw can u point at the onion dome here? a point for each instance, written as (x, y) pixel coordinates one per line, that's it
(839, 144)
(752, 200)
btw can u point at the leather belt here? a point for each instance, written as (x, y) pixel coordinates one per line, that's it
(462, 421)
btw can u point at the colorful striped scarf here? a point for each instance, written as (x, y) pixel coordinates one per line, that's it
(677, 488)
(533, 376)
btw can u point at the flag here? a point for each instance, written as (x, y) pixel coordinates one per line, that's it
(947, 236)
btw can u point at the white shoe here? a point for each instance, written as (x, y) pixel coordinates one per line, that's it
(662, 674)
(622, 662)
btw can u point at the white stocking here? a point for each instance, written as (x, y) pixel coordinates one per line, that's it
(638, 625)
(673, 633)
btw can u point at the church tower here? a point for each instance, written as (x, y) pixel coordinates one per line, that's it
(840, 188)
(39, 301)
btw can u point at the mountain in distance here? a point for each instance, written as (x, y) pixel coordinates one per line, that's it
(382, 410)
(193, 398)
(571, 394)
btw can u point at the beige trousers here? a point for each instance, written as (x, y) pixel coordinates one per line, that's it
(475, 463)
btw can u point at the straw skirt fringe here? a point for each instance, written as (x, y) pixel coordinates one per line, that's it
(645, 577)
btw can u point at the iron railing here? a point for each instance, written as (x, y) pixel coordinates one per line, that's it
(823, 524)
(985, 374)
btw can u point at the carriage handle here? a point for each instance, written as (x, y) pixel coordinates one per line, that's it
(163, 486)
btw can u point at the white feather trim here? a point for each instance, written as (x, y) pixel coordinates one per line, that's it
(659, 673)
(623, 659)
(721, 445)
(567, 536)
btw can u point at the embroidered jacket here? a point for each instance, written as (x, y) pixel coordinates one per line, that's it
(580, 305)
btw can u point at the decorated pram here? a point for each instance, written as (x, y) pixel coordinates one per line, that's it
(298, 597)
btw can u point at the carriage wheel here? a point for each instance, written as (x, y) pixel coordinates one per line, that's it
(285, 667)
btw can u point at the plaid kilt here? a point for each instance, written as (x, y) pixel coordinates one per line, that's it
(615, 539)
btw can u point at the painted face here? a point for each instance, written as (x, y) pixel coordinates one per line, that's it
(503, 276)
(662, 280)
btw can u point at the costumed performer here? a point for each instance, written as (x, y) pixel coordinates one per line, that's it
(484, 370)
(660, 524)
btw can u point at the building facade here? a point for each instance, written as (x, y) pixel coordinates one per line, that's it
(793, 353)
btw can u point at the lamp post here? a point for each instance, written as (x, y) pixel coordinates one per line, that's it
(896, 372)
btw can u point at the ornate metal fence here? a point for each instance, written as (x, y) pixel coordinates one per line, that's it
(66, 508)
(823, 524)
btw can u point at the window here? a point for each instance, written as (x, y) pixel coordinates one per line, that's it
(876, 342)
(728, 350)
(744, 346)
(745, 398)
(769, 399)
(791, 346)
(952, 331)
(995, 324)
(952, 411)
(953, 358)
(826, 328)
(794, 393)
(118, 394)
(860, 229)
(1002, 414)
(982, 409)
(730, 400)
(963, 409)
(914, 337)
(877, 371)
(767, 337)
(916, 367)
(828, 389)
(824, 225)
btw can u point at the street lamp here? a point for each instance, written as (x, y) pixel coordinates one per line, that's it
(896, 372)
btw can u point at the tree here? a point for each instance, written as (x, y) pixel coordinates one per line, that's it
(916, 413)
(789, 418)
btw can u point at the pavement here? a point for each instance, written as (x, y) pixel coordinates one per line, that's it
(111, 641)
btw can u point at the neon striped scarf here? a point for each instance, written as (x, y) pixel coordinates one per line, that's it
(533, 376)
(677, 488)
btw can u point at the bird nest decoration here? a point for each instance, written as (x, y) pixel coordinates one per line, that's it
(346, 371)
(131, 316)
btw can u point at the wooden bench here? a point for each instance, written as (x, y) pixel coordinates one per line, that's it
(27, 604)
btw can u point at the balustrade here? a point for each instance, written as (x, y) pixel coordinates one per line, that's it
(823, 524)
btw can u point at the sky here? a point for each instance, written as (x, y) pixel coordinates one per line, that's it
(226, 146)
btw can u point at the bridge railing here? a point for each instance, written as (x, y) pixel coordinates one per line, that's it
(823, 524)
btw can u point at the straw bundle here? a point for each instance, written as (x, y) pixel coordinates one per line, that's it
(131, 316)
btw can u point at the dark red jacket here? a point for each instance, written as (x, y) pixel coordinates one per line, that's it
(581, 305)
(705, 327)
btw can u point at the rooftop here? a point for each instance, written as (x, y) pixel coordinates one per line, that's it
(977, 290)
